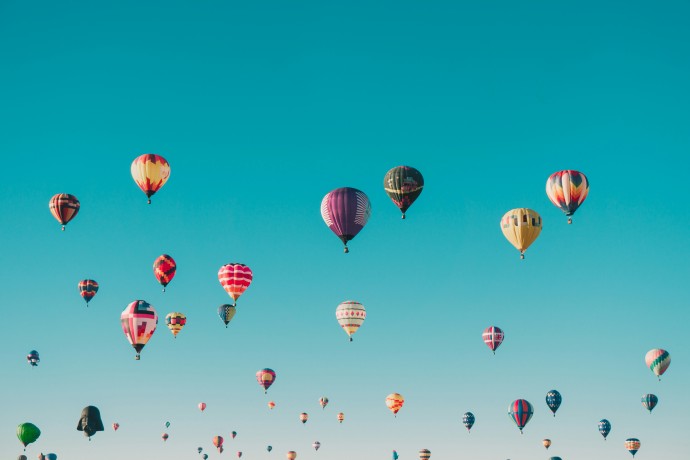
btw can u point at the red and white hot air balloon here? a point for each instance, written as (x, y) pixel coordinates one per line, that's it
(235, 279)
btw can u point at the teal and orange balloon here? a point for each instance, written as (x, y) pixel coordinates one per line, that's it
(64, 207)
(403, 184)
(632, 445)
(567, 190)
(87, 290)
(658, 361)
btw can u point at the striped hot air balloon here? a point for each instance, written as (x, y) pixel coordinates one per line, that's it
(218, 442)
(649, 401)
(567, 190)
(235, 279)
(468, 420)
(266, 377)
(394, 402)
(175, 322)
(88, 289)
(346, 211)
(424, 454)
(350, 315)
(658, 361)
(632, 445)
(164, 268)
(64, 207)
(150, 172)
(520, 412)
(493, 337)
(139, 322)
(403, 184)
(521, 227)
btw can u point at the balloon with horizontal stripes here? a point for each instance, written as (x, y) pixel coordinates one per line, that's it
(567, 190)
(150, 172)
(175, 322)
(520, 412)
(235, 279)
(87, 290)
(345, 211)
(64, 207)
(658, 361)
(493, 337)
(632, 445)
(424, 454)
(403, 184)
(350, 315)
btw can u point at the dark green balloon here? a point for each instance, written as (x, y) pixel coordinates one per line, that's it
(28, 433)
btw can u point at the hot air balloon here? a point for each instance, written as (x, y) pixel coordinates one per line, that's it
(204, 456)
(316, 445)
(350, 316)
(567, 190)
(269, 448)
(88, 289)
(164, 436)
(150, 172)
(202, 406)
(239, 454)
(200, 449)
(116, 426)
(553, 400)
(521, 226)
(235, 279)
(218, 442)
(649, 401)
(424, 454)
(27, 433)
(555, 458)
(403, 184)
(271, 405)
(303, 417)
(520, 411)
(226, 312)
(33, 358)
(139, 322)
(265, 377)
(632, 445)
(493, 337)
(604, 427)
(22, 457)
(346, 211)
(51, 456)
(395, 455)
(323, 401)
(395, 401)
(64, 207)
(41, 456)
(292, 455)
(167, 424)
(341, 417)
(658, 361)
(164, 268)
(468, 420)
(175, 322)
(233, 434)
(546, 443)
(90, 421)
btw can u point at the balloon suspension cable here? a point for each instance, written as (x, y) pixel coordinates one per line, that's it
(570, 220)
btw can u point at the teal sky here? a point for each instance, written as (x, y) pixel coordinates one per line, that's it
(262, 108)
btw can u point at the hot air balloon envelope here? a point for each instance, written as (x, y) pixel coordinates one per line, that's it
(521, 226)
(346, 211)
(150, 172)
(403, 184)
(90, 421)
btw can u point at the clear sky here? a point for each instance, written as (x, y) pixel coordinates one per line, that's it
(262, 108)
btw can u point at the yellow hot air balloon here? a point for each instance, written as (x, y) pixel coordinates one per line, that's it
(175, 322)
(521, 226)
(150, 172)
(395, 401)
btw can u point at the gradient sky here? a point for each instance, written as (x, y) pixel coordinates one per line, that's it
(262, 108)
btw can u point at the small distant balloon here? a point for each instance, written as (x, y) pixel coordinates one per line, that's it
(200, 449)
(468, 420)
(316, 445)
(202, 406)
(303, 417)
(90, 421)
(424, 454)
(51, 456)
(239, 454)
(64, 207)
(493, 337)
(271, 405)
(546, 443)
(553, 400)
(22, 457)
(87, 289)
(649, 401)
(604, 427)
(341, 417)
(33, 358)
(567, 190)
(218, 442)
(269, 448)
(323, 402)
(265, 377)
(164, 436)
(205, 456)
(233, 434)
(116, 426)
(394, 402)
